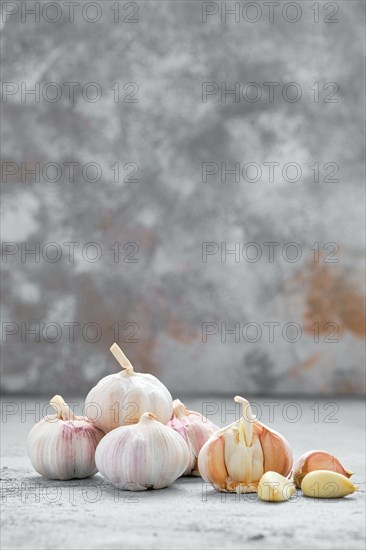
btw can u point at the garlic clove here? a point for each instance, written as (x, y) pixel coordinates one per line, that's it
(276, 450)
(273, 487)
(211, 462)
(244, 462)
(195, 430)
(317, 460)
(327, 484)
(243, 452)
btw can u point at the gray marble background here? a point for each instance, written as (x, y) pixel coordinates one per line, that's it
(160, 302)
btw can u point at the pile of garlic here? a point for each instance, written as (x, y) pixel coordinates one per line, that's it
(141, 439)
(137, 439)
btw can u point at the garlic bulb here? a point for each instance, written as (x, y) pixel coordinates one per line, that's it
(327, 484)
(146, 455)
(62, 446)
(122, 398)
(317, 460)
(235, 458)
(275, 488)
(194, 428)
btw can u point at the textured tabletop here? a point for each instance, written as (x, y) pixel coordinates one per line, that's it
(38, 513)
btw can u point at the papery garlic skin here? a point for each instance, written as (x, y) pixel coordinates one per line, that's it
(120, 399)
(327, 484)
(273, 487)
(235, 458)
(317, 460)
(62, 446)
(195, 430)
(146, 455)
(276, 449)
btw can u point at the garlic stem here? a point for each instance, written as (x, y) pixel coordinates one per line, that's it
(179, 408)
(246, 422)
(121, 358)
(147, 416)
(63, 410)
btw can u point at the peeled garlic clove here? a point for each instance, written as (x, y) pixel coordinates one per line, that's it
(327, 484)
(273, 487)
(195, 430)
(146, 455)
(62, 446)
(235, 458)
(121, 399)
(317, 460)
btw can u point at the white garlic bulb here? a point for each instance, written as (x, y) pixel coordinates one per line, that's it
(62, 446)
(146, 455)
(120, 399)
(195, 430)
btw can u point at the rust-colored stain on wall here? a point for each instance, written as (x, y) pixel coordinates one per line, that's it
(154, 324)
(332, 297)
(310, 362)
(181, 332)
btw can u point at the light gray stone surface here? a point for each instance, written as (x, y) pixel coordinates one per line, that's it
(91, 514)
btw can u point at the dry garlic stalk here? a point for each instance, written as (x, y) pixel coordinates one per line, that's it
(275, 488)
(146, 455)
(194, 428)
(327, 484)
(317, 460)
(235, 458)
(62, 446)
(120, 399)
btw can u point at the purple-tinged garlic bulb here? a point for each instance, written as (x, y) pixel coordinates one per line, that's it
(146, 455)
(62, 446)
(194, 428)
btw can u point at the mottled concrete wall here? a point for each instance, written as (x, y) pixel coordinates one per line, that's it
(168, 211)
